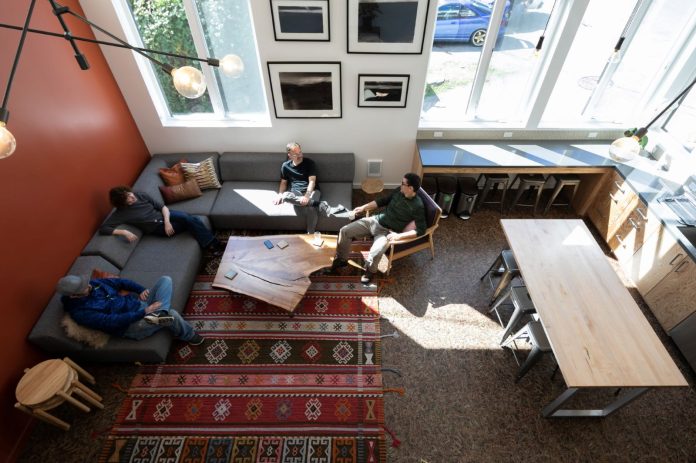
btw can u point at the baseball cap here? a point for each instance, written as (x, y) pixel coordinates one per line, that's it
(72, 284)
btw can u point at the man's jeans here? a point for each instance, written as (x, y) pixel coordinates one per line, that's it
(183, 221)
(161, 292)
(363, 227)
(310, 213)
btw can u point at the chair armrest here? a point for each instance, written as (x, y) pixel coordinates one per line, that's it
(428, 231)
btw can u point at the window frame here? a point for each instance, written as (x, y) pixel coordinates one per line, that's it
(220, 117)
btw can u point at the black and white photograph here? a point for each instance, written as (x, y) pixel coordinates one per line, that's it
(386, 26)
(306, 89)
(382, 91)
(301, 20)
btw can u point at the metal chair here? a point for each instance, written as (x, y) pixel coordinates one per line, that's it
(534, 334)
(528, 182)
(506, 265)
(522, 303)
(491, 182)
(563, 181)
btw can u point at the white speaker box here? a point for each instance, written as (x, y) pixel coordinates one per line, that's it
(374, 167)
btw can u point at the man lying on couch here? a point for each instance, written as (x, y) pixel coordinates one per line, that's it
(152, 217)
(99, 304)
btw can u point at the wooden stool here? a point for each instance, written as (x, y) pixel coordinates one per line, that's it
(49, 384)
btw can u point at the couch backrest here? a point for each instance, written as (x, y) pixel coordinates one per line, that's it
(265, 167)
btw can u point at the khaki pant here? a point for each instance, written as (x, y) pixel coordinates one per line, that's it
(363, 227)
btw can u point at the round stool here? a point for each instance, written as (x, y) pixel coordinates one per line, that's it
(372, 186)
(49, 384)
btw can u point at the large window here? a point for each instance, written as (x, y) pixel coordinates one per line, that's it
(203, 28)
(682, 123)
(478, 78)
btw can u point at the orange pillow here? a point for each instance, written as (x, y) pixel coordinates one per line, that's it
(176, 193)
(99, 274)
(174, 175)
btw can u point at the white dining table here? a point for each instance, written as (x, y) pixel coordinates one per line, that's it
(599, 336)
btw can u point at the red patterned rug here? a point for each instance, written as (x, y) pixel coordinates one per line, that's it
(264, 387)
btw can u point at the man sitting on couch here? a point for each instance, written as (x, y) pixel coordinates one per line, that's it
(99, 304)
(298, 186)
(152, 217)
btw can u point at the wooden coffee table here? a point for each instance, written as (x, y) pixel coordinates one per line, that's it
(277, 276)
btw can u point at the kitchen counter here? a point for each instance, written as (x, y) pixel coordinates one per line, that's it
(643, 175)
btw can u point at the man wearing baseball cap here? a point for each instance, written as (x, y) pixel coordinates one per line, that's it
(100, 304)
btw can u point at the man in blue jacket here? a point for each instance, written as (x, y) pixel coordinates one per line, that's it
(140, 313)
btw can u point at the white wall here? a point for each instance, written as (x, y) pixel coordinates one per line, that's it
(370, 133)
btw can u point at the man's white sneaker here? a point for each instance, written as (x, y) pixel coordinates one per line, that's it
(159, 319)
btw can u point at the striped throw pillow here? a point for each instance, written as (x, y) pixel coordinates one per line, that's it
(203, 173)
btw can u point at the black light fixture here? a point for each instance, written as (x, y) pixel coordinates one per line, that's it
(627, 147)
(188, 80)
(540, 42)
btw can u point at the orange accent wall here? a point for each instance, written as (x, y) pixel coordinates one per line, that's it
(75, 139)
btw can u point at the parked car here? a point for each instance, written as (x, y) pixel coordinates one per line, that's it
(466, 21)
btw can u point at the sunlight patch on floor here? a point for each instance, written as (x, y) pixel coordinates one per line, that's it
(451, 326)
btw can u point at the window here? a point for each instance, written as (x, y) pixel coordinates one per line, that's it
(477, 79)
(203, 28)
(682, 122)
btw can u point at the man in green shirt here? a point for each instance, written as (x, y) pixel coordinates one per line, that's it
(402, 207)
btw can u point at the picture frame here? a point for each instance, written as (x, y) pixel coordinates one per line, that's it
(301, 20)
(382, 90)
(304, 89)
(387, 26)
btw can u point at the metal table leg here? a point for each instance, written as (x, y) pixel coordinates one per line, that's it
(553, 410)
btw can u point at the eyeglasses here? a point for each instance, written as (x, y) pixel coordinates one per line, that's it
(404, 184)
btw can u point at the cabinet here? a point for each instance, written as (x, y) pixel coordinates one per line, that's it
(614, 201)
(659, 255)
(638, 225)
(672, 299)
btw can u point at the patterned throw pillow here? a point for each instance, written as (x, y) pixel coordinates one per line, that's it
(203, 172)
(173, 175)
(188, 189)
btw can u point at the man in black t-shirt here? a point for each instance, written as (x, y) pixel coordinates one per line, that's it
(298, 186)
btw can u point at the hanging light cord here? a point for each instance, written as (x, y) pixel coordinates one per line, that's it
(671, 103)
(210, 61)
(540, 42)
(620, 42)
(4, 113)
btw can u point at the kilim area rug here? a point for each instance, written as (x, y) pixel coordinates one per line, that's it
(263, 387)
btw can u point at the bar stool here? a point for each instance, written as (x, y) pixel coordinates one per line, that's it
(492, 181)
(563, 181)
(51, 383)
(505, 264)
(534, 334)
(528, 182)
(522, 303)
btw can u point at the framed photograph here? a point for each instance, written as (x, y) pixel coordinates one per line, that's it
(386, 26)
(310, 90)
(382, 91)
(301, 20)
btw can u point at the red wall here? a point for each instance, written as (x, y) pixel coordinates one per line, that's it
(75, 139)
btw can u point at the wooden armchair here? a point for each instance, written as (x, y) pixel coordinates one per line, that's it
(402, 248)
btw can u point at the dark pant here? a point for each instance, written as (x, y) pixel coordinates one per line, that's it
(183, 221)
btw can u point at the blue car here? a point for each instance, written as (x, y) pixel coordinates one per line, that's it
(466, 21)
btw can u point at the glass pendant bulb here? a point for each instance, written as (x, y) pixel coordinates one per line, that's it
(189, 81)
(7, 142)
(625, 148)
(232, 66)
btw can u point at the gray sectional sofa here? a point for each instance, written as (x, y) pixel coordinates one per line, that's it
(249, 184)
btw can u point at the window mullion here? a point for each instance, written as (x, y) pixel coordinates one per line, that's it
(485, 59)
(202, 48)
(636, 18)
(570, 19)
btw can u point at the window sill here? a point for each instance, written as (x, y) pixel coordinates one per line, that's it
(202, 122)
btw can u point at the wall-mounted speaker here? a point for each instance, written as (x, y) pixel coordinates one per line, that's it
(374, 167)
